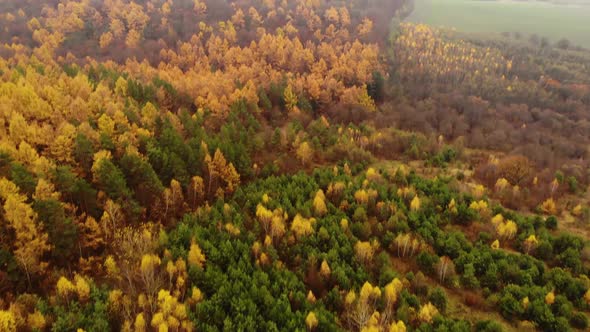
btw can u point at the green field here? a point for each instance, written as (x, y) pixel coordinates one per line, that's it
(545, 19)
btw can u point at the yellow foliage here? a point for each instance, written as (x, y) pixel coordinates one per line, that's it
(550, 298)
(367, 292)
(302, 226)
(325, 270)
(304, 152)
(7, 321)
(390, 294)
(452, 207)
(479, 206)
(140, 323)
(195, 256)
(374, 320)
(415, 204)
(577, 210)
(479, 191)
(82, 288)
(311, 321)
(497, 219)
(525, 302)
(36, 320)
(496, 244)
(344, 224)
(65, 288)
(290, 98)
(364, 251)
(501, 184)
(370, 328)
(149, 263)
(351, 297)
(318, 203)
(549, 207)
(427, 313)
(111, 266)
(397, 327)
(531, 240)
(507, 229)
(311, 297)
(361, 196)
(196, 295)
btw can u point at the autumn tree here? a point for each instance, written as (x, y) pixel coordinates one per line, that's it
(31, 243)
(304, 152)
(219, 168)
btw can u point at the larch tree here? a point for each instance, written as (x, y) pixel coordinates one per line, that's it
(31, 242)
(304, 152)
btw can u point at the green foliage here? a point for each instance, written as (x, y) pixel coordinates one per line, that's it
(90, 316)
(62, 231)
(24, 179)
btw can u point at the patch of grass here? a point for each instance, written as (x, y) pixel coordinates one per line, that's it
(532, 17)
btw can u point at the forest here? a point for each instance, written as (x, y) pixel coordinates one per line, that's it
(293, 165)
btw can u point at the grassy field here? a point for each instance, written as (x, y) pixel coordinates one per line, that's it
(545, 19)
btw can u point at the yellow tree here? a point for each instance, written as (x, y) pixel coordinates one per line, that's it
(550, 298)
(218, 167)
(427, 313)
(302, 226)
(304, 152)
(319, 204)
(549, 207)
(415, 204)
(7, 321)
(364, 252)
(530, 243)
(196, 257)
(325, 270)
(291, 99)
(31, 242)
(311, 321)
(277, 227)
(196, 189)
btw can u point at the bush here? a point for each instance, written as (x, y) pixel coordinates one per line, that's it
(579, 321)
(438, 297)
(488, 326)
(551, 223)
(426, 262)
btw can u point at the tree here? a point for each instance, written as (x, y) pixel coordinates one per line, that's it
(196, 190)
(563, 44)
(415, 203)
(427, 312)
(325, 270)
(62, 231)
(364, 252)
(218, 167)
(318, 203)
(195, 256)
(110, 179)
(516, 169)
(550, 298)
(302, 226)
(438, 298)
(31, 242)
(304, 152)
(530, 243)
(7, 321)
(549, 207)
(311, 321)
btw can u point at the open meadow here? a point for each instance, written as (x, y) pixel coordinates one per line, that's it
(554, 21)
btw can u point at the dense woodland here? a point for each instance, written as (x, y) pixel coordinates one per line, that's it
(262, 165)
